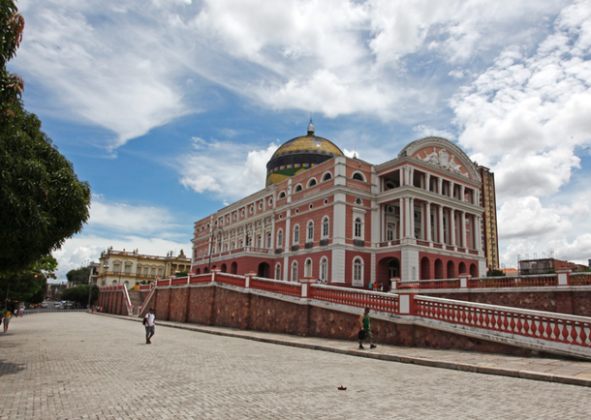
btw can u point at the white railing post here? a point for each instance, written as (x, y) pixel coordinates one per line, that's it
(248, 277)
(563, 276)
(213, 273)
(395, 281)
(306, 281)
(464, 280)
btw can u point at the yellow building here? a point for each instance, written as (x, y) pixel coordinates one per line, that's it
(490, 237)
(131, 268)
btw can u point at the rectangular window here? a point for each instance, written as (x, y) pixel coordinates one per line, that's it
(153, 272)
(116, 268)
(160, 272)
(145, 271)
(139, 271)
(128, 269)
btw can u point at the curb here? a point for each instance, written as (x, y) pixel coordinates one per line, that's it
(419, 361)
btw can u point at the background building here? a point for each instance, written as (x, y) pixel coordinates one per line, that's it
(348, 222)
(489, 220)
(131, 268)
(547, 265)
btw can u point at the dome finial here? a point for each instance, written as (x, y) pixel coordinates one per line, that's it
(311, 126)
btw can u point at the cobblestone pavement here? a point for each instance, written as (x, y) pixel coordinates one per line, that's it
(79, 366)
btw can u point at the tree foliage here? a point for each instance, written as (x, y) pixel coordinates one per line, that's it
(43, 203)
(29, 285)
(12, 25)
(78, 275)
(80, 294)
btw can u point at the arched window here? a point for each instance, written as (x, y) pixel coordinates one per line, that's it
(312, 182)
(259, 241)
(280, 239)
(294, 271)
(325, 227)
(281, 195)
(310, 237)
(269, 244)
(358, 272)
(324, 269)
(358, 228)
(298, 188)
(358, 176)
(296, 234)
(278, 271)
(390, 232)
(308, 268)
(326, 176)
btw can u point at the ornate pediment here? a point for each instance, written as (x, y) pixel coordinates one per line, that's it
(441, 158)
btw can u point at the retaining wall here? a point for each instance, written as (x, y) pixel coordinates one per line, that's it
(222, 306)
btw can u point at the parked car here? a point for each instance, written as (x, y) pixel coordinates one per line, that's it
(58, 305)
(69, 304)
(44, 304)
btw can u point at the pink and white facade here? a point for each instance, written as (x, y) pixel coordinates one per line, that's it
(351, 223)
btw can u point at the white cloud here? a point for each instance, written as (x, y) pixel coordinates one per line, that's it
(527, 218)
(528, 114)
(243, 171)
(127, 219)
(129, 67)
(526, 117)
(424, 130)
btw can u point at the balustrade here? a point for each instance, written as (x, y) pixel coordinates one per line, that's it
(547, 326)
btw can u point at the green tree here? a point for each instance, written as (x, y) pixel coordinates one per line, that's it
(29, 285)
(43, 203)
(80, 294)
(78, 275)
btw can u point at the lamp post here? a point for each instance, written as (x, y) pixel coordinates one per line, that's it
(217, 232)
(89, 287)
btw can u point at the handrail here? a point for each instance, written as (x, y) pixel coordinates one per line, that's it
(547, 326)
(383, 302)
(127, 301)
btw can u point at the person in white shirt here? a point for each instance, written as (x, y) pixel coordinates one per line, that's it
(149, 324)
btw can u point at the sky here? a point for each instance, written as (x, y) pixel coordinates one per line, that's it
(170, 109)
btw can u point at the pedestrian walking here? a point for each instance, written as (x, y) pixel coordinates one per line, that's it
(7, 317)
(21, 311)
(149, 324)
(365, 330)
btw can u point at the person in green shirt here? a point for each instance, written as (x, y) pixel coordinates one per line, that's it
(365, 330)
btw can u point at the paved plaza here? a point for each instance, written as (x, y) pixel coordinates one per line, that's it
(79, 366)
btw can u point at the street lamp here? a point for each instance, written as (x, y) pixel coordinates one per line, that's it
(217, 232)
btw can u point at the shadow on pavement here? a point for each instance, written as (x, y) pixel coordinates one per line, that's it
(7, 368)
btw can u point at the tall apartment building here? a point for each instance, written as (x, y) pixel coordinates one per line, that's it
(488, 201)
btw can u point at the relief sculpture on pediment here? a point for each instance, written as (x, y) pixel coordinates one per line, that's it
(441, 158)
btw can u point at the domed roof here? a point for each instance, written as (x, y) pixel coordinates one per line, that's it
(308, 144)
(298, 154)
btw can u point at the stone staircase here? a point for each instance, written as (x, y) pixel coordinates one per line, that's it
(136, 299)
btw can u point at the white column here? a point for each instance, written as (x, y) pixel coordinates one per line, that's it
(411, 214)
(428, 211)
(463, 230)
(462, 192)
(441, 239)
(452, 222)
(452, 187)
(478, 233)
(427, 181)
(402, 220)
(440, 186)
